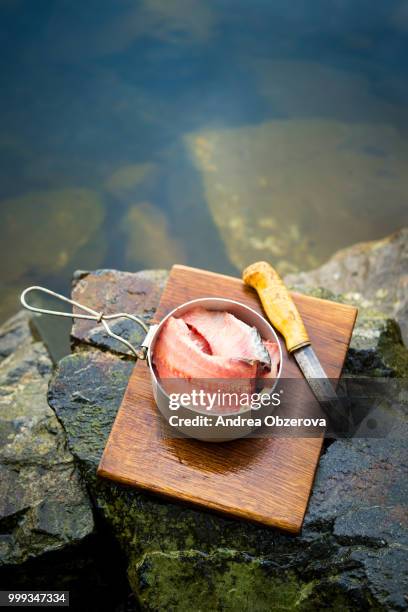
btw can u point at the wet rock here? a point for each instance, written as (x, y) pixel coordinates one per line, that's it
(82, 570)
(294, 190)
(376, 347)
(112, 291)
(372, 275)
(44, 506)
(221, 580)
(87, 416)
(349, 556)
(13, 333)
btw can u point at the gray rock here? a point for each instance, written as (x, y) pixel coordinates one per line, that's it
(373, 275)
(376, 347)
(112, 291)
(351, 552)
(43, 504)
(13, 333)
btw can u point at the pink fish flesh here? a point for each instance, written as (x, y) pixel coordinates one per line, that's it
(215, 352)
(213, 344)
(179, 353)
(228, 336)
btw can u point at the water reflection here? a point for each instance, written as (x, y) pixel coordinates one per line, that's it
(314, 184)
(138, 133)
(148, 239)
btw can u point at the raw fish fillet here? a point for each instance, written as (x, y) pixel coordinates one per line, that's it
(179, 352)
(228, 336)
(215, 352)
(184, 364)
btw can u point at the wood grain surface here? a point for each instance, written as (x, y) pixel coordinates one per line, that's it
(267, 479)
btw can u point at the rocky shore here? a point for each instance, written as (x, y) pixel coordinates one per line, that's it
(134, 549)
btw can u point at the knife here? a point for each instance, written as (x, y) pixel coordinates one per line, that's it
(284, 316)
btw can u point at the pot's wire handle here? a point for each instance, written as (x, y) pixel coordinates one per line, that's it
(92, 315)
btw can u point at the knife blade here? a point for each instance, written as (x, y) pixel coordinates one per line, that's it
(323, 389)
(283, 314)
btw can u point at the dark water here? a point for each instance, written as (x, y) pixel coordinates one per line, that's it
(139, 134)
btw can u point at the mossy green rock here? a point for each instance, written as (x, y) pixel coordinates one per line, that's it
(350, 555)
(222, 580)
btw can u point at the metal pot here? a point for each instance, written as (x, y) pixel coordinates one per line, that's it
(210, 432)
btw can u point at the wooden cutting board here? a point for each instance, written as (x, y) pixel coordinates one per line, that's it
(267, 480)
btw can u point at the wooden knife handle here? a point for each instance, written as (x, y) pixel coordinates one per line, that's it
(277, 303)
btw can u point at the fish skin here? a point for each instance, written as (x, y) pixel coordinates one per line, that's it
(273, 350)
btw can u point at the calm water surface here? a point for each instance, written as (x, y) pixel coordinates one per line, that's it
(139, 134)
